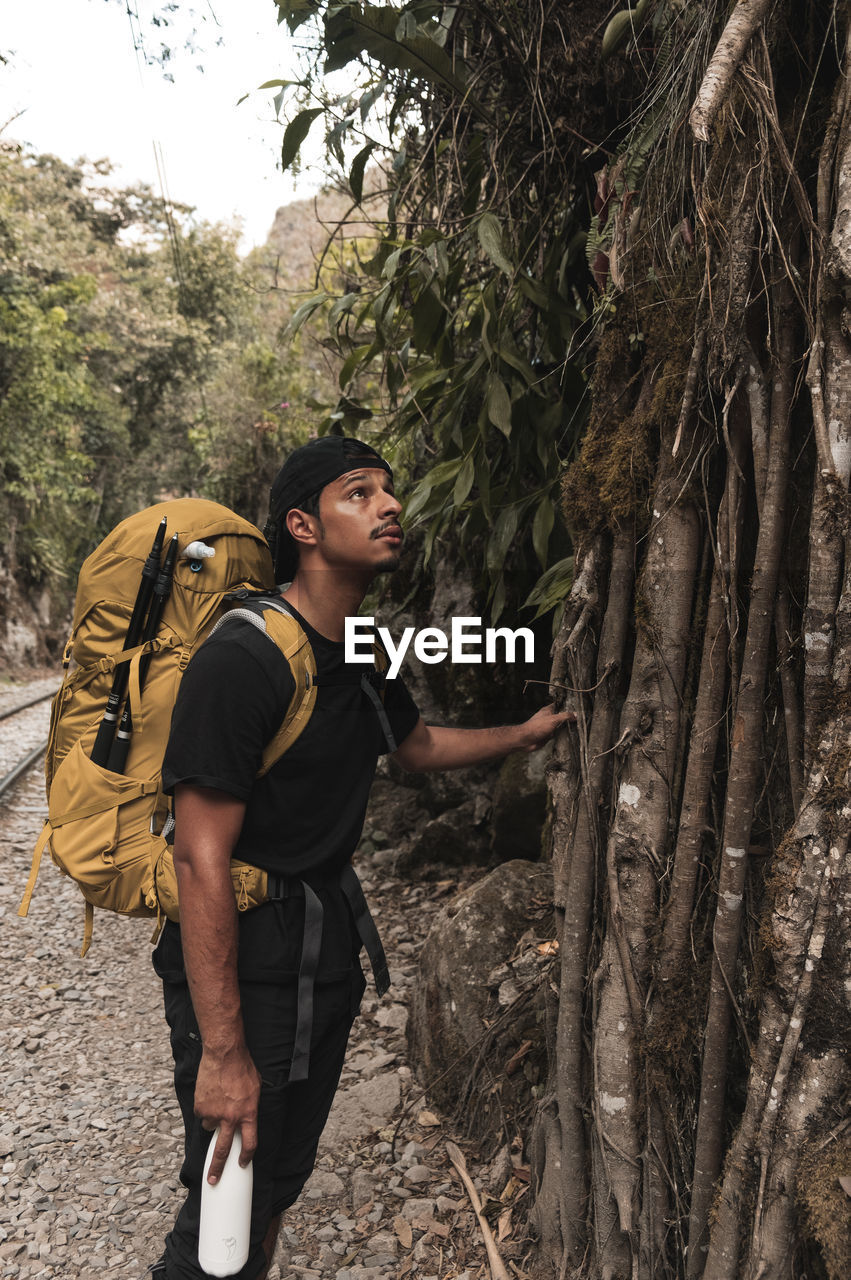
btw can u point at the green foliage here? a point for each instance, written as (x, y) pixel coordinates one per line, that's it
(136, 361)
(456, 330)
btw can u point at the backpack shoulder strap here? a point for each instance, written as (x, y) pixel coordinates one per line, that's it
(284, 631)
(273, 618)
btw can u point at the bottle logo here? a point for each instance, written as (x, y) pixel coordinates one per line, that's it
(230, 1244)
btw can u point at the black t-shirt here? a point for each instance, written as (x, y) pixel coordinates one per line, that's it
(304, 817)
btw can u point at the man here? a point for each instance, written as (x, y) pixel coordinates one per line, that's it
(260, 1004)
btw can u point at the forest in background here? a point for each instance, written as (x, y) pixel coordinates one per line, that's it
(140, 358)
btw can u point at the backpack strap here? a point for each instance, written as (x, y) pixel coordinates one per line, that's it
(41, 844)
(272, 616)
(284, 630)
(274, 619)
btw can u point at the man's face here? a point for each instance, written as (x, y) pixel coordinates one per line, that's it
(358, 524)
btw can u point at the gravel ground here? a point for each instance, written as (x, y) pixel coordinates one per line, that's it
(89, 1131)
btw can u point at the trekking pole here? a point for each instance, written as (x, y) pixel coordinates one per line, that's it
(106, 729)
(162, 591)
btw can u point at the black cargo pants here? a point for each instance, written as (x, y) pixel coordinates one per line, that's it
(291, 1116)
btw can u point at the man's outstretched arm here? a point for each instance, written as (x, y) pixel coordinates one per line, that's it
(430, 747)
(227, 1091)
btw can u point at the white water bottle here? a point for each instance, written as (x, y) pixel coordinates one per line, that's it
(225, 1229)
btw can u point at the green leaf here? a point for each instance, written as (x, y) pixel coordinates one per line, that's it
(406, 27)
(352, 410)
(442, 474)
(438, 257)
(552, 588)
(623, 25)
(357, 170)
(341, 307)
(354, 30)
(508, 352)
(542, 527)
(351, 363)
(295, 12)
(444, 471)
(335, 139)
(369, 99)
(433, 531)
(295, 134)
(534, 291)
(427, 312)
(391, 266)
(304, 312)
(488, 312)
(503, 535)
(490, 238)
(277, 84)
(498, 599)
(464, 483)
(483, 482)
(499, 404)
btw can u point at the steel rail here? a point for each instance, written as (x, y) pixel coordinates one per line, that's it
(13, 711)
(21, 768)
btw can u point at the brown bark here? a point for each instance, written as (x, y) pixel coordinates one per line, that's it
(560, 1187)
(731, 48)
(783, 1088)
(745, 763)
(639, 832)
(706, 728)
(577, 898)
(791, 700)
(829, 381)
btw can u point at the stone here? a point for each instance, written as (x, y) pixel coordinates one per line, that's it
(499, 1171)
(363, 1108)
(472, 933)
(454, 839)
(396, 1017)
(322, 1185)
(520, 806)
(418, 1208)
(363, 1187)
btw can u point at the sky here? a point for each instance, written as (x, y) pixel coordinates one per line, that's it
(82, 90)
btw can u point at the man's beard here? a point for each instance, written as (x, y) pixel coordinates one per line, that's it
(390, 565)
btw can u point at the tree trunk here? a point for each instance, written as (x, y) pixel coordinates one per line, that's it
(745, 761)
(702, 857)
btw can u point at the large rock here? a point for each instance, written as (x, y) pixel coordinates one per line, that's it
(457, 838)
(463, 976)
(520, 806)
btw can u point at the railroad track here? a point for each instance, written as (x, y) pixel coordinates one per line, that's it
(27, 761)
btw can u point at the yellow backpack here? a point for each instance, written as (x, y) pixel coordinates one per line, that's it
(105, 829)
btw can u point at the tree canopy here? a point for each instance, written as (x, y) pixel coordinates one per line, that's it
(138, 358)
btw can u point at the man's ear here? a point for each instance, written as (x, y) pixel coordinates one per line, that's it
(304, 528)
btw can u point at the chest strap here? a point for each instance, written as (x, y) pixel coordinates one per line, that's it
(281, 887)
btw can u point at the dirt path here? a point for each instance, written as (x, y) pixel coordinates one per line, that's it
(90, 1133)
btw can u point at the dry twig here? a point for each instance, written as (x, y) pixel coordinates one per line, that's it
(497, 1266)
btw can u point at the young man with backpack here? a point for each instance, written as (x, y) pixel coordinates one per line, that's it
(260, 1002)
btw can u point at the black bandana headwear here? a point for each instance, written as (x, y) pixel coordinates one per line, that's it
(306, 471)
